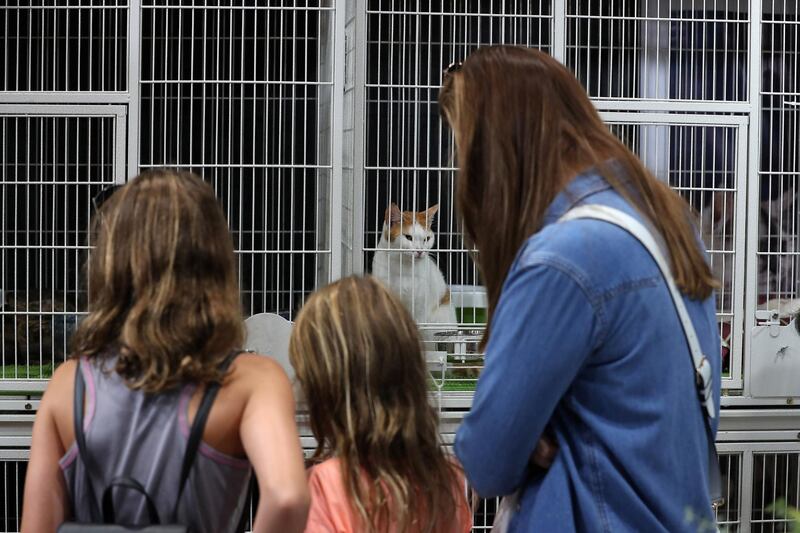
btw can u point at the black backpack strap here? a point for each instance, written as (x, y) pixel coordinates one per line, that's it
(129, 483)
(198, 426)
(80, 439)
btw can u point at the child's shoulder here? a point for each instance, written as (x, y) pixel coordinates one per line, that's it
(327, 473)
(330, 505)
(332, 464)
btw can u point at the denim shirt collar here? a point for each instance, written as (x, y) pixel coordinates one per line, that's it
(576, 191)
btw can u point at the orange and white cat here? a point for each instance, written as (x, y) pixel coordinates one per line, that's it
(403, 263)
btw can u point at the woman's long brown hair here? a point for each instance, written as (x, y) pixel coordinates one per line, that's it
(524, 127)
(358, 357)
(163, 293)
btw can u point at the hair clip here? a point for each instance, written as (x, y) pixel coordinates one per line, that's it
(455, 66)
(101, 197)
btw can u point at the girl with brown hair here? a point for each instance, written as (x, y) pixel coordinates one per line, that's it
(583, 337)
(164, 323)
(381, 466)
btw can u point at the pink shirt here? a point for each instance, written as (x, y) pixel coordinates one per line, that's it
(330, 507)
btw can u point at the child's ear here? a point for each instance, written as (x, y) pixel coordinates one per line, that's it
(393, 214)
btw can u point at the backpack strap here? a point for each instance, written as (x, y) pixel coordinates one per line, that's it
(700, 364)
(80, 439)
(195, 436)
(125, 482)
(198, 426)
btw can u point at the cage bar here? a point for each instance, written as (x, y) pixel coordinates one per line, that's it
(242, 97)
(668, 50)
(54, 162)
(71, 47)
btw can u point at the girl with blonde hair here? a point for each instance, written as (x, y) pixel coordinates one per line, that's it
(163, 329)
(381, 466)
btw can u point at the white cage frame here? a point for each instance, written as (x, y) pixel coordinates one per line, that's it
(734, 380)
(342, 228)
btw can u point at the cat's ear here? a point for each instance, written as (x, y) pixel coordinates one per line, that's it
(430, 214)
(393, 214)
(723, 206)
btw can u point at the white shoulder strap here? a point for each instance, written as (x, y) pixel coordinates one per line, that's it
(637, 229)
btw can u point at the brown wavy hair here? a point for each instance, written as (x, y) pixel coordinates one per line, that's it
(523, 128)
(358, 357)
(163, 292)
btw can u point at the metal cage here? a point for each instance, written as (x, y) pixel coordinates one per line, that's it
(311, 117)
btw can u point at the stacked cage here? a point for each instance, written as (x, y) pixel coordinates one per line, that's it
(409, 232)
(62, 143)
(671, 79)
(311, 119)
(242, 96)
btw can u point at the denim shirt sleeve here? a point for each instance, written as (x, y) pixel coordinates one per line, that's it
(544, 328)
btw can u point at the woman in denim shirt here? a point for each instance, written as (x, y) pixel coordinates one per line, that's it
(583, 337)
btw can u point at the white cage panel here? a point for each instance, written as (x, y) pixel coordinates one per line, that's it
(729, 516)
(52, 167)
(407, 152)
(704, 159)
(776, 208)
(79, 45)
(776, 483)
(12, 473)
(774, 237)
(668, 50)
(242, 96)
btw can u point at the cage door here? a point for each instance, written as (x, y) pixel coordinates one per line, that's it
(55, 161)
(704, 158)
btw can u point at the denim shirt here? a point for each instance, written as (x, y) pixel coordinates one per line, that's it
(586, 341)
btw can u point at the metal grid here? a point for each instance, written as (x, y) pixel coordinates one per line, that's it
(407, 149)
(703, 157)
(53, 162)
(78, 46)
(667, 50)
(776, 481)
(777, 205)
(12, 472)
(242, 96)
(729, 516)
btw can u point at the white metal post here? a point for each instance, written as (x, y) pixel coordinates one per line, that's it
(559, 30)
(134, 47)
(753, 190)
(336, 129)
(359, 138)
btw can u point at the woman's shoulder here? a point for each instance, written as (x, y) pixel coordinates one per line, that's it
(255, 367)
(592, 252)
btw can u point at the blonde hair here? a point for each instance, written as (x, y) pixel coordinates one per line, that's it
(163, 293)
(358, 356)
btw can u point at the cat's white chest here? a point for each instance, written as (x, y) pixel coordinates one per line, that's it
(417, 282)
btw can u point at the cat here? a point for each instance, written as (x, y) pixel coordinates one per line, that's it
(778, 261)
(36, 331)
(403, 263)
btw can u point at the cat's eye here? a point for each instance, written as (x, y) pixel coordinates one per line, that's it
(407, 237)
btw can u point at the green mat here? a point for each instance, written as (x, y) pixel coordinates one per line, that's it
(471, 315)
(27, 371)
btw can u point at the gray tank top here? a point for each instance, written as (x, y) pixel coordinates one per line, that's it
(144, 437)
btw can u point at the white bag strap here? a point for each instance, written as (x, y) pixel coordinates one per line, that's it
(702, 367)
